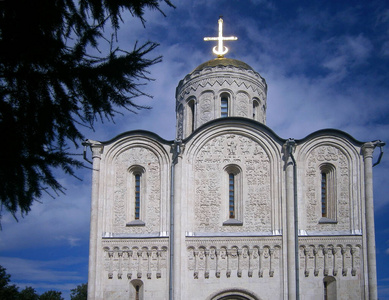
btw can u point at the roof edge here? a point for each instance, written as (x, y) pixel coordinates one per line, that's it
(142, 132)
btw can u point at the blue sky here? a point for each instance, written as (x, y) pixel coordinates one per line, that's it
(326, 64)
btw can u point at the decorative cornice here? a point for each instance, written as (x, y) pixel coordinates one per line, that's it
(134, 241)
(109, 235)
(203, 81)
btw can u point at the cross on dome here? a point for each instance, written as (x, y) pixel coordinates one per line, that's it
(220, 49)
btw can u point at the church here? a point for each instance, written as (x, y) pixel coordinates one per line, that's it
(228, 209)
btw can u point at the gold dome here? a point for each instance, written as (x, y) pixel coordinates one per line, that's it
(225, 62)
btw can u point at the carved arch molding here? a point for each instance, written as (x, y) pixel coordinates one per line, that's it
(234, 295)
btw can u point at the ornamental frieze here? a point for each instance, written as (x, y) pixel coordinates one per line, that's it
(330, 259)
(245, 84)
(135, 262)
(215, 261)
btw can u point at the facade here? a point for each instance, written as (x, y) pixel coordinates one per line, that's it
(230, 210)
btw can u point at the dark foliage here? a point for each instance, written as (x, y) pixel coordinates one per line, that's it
(51, 295)
(7, 291)
(50, 85)
(80, 292)
(11, 292)
(28, 293)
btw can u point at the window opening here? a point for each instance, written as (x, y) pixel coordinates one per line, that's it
(137, 288)
(324, 195)
(231, 178)
(325, 291)
(233, 196)
(328, 202)
(192, 115)
(224, 107)
(329, 285)
(255, 109)
(137, 196)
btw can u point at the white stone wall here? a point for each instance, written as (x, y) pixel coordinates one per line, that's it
(118, 194)
(129, 254)
(214, 256)
(206, 198)
(347, 160)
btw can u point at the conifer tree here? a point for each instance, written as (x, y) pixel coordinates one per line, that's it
(50, 85)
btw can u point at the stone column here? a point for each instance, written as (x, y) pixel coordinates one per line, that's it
(290, 226)
(178, 236)
(97, 150)
(368, 149)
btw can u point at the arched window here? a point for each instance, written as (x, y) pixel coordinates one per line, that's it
(191, 116)
(136, 291)
(233, 192)
(231, 195)
(328, 193)
(136, 195)
(224, 105)
(255, 109)
(329, 285)
(236, 294)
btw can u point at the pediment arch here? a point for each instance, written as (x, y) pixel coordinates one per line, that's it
(234, 294)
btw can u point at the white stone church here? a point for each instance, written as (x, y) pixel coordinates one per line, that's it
(230, 210)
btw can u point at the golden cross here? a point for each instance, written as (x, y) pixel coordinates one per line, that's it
(220, 50)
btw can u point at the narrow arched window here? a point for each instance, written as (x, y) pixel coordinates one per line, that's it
(233, 195)
(328, 202)
(224, 106)
(191, 115)
(329, 285)
(324, 199)
(255, 109)
(231, 179)
(137, 195)
(325, 290)
(136, 291)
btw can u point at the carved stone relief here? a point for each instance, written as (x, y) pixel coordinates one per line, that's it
(131, 262)
(180, 122)
(206, 107)
(330, 260)
(242, 105)
(256, 87)
(237, 261)
(151, 201)
(334, 156)
(209, 166)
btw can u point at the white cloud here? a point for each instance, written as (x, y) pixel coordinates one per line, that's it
(72, 241)
(64, 216)
(42, 271)
(348, 53)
